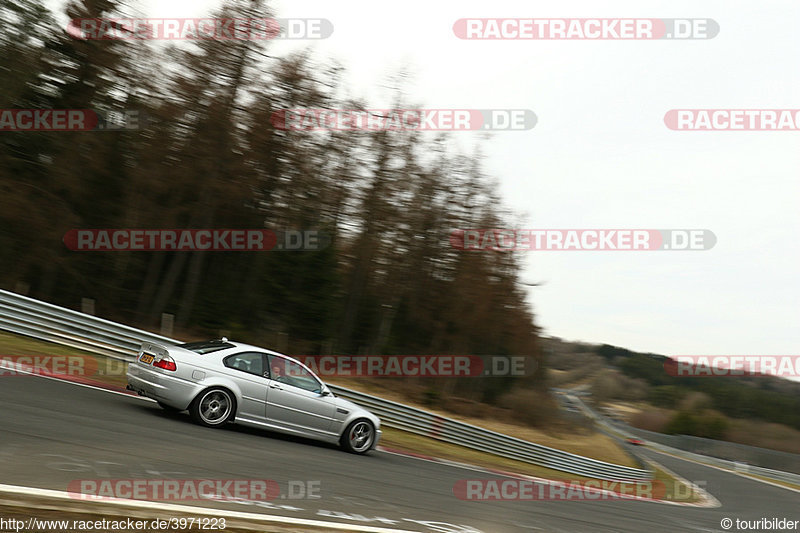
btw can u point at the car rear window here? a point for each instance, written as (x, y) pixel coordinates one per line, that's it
(203, 347)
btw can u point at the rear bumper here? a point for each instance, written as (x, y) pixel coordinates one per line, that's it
(164, 388)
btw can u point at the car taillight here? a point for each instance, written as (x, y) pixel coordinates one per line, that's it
(167, 363)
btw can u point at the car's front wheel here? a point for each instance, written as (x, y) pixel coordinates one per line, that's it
(213, 407)
(358, 437)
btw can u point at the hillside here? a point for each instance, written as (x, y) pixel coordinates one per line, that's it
(758, 411)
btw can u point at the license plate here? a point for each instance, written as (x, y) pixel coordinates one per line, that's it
(146, 358)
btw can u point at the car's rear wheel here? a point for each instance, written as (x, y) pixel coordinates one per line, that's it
(358, 437)
(213, 407)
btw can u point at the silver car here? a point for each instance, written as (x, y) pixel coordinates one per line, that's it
(220, 381)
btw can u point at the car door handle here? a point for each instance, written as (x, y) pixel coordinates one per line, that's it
(275, 386)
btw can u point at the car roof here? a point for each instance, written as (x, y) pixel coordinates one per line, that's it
(242, 346)
(236, 347)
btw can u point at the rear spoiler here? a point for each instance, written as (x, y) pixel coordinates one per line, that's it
(157, 350)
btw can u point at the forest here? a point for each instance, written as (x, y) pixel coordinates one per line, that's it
(205, 154)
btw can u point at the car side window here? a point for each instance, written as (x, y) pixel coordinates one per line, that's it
(250, 362)
(292, 373)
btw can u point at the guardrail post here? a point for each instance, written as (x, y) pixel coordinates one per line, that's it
(167, 323)
(22, 288)
(87, 306)
(282, 342)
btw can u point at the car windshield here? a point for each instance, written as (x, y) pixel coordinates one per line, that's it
(292, 373)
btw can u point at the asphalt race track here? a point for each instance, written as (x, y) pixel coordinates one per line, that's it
(55, 432)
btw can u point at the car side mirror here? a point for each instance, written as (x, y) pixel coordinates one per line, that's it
(326, 392)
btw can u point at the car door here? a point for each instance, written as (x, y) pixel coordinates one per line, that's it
(295, 400)
(249, 371)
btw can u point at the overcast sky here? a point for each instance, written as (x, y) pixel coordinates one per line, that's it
(602, 157)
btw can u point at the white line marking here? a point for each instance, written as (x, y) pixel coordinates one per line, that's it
(734, 472)
(16, 368)
(190, 509)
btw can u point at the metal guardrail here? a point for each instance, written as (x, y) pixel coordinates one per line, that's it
(33, 318)
(729, 451)
(743, 468)
(41, 320)
(653, 442)
(421, 422)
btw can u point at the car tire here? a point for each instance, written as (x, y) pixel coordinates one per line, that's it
(359, 436)
(169, 408)
(213, 407)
